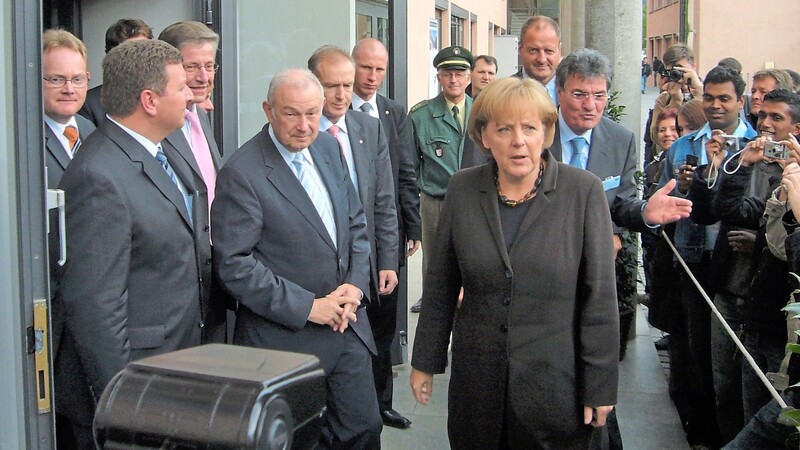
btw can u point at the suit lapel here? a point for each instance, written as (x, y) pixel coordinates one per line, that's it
(491, 210)
(598, 150)
(205, 123)
(341, 211)
(541, 202)
(555, 149)
(55, 148)
(178, 141)
(441, 111)
(361, 156)
(152, 169)
(284, 181)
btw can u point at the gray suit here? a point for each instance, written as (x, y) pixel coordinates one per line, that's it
(275, 256)
(131, 285)
(613, 154)
(56, 160)
(375, 190)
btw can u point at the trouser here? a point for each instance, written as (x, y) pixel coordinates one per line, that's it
(430, 208)
(383, 320)
(768, 351)
(726, 366)
(763, 430)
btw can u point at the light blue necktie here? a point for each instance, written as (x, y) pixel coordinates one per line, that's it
(578, 145)
(162, 158)
(301, 168)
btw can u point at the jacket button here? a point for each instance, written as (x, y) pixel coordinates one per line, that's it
(504, 328)
(509, 274)
(208, 261)
(507, 301)
(201, 324)
(206, 228)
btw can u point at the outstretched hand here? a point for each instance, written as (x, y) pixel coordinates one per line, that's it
(663, 208)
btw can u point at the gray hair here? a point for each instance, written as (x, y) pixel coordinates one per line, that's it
(298, 78)
(584, 63)
(133, 67)
(189, 32)
(325, 52)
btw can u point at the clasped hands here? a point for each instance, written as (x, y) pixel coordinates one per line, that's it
(338, 308)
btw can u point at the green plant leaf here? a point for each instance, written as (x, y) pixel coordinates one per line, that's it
(794, 347)
(790, 417)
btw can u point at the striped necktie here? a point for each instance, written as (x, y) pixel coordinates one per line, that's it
(74, 140)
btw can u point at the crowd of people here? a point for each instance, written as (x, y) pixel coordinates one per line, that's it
(303, 229)
(719, 144)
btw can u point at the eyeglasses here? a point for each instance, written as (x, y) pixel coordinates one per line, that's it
(58, 82)
(582, 96)
(193, 68)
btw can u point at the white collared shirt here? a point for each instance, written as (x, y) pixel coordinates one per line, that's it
(567, 135)
(58, 130)
(358, 101)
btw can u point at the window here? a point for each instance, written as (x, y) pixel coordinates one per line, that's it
(456, 30)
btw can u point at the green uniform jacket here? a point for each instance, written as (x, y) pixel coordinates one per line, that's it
(440, 146)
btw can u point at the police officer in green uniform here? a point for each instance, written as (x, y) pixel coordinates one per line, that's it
(439, 126)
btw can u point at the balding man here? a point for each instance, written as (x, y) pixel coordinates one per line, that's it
(291, 245)
(540, 52)
(371, 59)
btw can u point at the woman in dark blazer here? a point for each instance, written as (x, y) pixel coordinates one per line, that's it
(536, 340)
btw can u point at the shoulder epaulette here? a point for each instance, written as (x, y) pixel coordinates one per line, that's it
(419, 105)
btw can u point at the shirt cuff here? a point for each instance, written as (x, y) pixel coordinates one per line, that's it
(652, 226)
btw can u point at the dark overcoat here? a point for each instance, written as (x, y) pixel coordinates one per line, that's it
(536, 337)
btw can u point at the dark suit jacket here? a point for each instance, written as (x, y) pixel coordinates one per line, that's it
(131, 285)
(212, 300)
(56, 160)
(272, 251)
(401, 152)
(375, 190)
(537, 331)
(92, 109)
(613, 153)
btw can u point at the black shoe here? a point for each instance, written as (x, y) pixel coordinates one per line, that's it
(663, 343)
(416, 307)
(392, 418)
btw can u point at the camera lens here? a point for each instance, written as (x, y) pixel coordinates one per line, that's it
(675, 75)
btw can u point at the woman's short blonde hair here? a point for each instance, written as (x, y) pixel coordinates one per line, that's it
(511, 97)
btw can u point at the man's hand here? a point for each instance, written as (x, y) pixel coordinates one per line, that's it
(684, 175)
(753, 152)
(663, 208)
(421, 385)
(348, 298)
(387, 281)
(333, 311)
(412, 247)
(596, 415)
(742, 241)
(715, 149)
(617, 244)
(791, 185)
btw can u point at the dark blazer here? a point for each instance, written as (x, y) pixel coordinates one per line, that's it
(56, 160)
(272, 251)
(212, 301)
(613, 154)
(375, 190)
(537, 331)
(131, 284)
(401, 152)
(92, 109)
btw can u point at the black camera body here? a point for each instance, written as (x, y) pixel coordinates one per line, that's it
(673, 74)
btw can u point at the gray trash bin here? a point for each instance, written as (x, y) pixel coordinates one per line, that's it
(214, 397)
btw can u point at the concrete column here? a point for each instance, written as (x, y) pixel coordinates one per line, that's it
(614, 27)
(578, 25)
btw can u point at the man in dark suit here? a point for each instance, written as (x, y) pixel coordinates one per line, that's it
(291, 245)
(121, 31)
(371, 59)
(63, 92)
(586, 139)
(195, 146)
(131, 285)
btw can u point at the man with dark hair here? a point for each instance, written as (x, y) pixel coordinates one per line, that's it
(795, 79)
(291, 245)
(121, 31)
(701, 238)
(371, 59)
(540, 52)
(484, 71)
(131, 285)
(657, 66)
(731, 63)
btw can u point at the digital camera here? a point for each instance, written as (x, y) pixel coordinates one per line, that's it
(775, 150)
(731, 143)
(671, 74)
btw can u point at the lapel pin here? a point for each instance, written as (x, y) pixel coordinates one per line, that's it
(360, 141)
